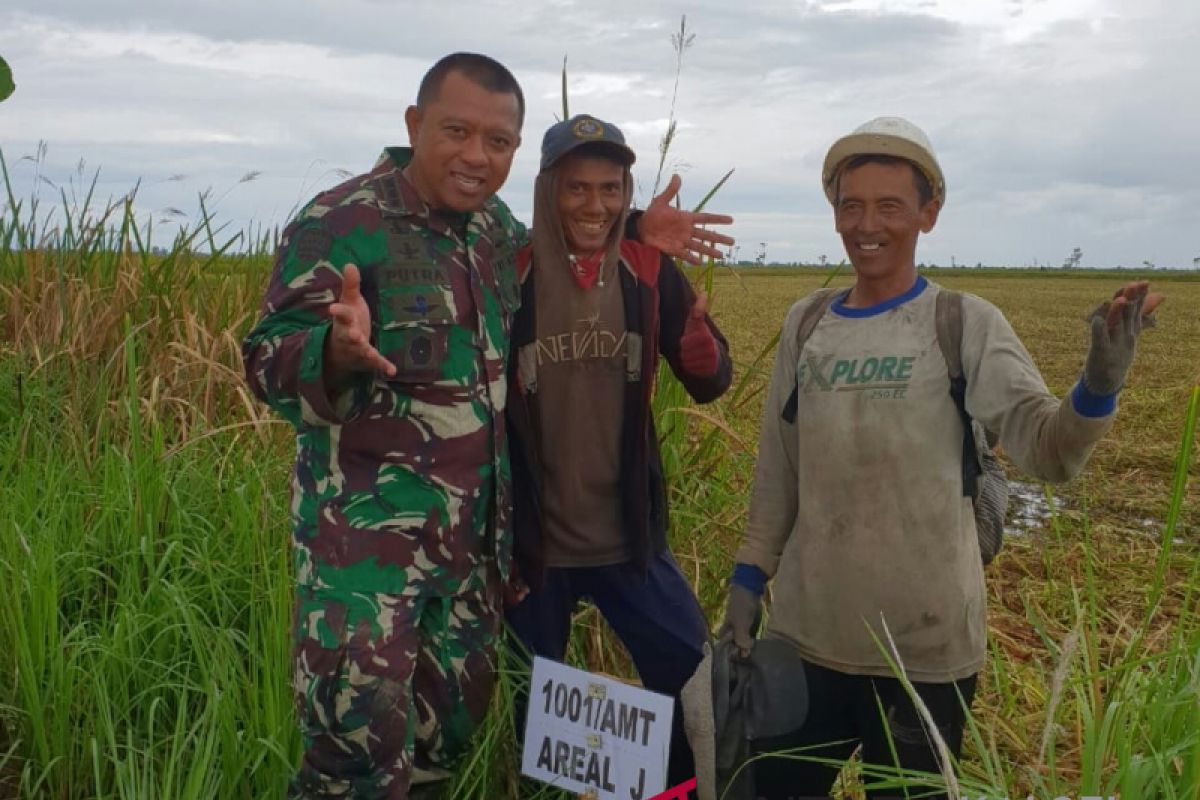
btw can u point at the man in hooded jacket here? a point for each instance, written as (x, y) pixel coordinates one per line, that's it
(590, 512)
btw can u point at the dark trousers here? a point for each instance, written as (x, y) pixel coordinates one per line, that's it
(654, 613)
(848, 710)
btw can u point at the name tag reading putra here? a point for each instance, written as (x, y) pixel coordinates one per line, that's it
(415, 303)
(414, 286)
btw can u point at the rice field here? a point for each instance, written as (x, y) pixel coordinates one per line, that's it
(144, 563)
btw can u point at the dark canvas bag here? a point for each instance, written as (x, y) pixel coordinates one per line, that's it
(983, 476)
(984, 480)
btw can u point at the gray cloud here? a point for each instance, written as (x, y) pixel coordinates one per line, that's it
(1055, 132)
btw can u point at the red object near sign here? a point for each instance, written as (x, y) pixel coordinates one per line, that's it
(679, 792)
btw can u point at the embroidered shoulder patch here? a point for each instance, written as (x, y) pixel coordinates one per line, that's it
(313, 244)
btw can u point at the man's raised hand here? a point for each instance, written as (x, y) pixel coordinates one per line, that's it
(680, 233)
(1132, 306)
(348, 348)
(1116, 326)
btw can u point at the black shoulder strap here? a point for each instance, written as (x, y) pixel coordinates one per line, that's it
(948, 319)
(822, 300)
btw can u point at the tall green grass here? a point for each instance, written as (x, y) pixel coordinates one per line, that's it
(143, 556)
(145, 612)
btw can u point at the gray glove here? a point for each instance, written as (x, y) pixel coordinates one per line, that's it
(741, 617)
(1112, 349)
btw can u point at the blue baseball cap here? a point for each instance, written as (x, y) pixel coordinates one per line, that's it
(583, 129)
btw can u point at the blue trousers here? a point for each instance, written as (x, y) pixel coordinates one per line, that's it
(654, 613)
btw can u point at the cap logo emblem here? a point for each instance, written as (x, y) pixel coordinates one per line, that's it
(588, 129)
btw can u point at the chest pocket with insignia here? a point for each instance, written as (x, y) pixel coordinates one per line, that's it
(414, 307)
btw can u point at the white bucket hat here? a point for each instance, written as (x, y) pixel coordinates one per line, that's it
(885, 136)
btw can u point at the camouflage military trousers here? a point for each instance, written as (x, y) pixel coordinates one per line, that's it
(388, 687)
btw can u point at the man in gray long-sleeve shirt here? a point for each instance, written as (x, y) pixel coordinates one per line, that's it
(858, 511)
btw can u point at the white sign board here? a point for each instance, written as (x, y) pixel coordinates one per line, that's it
(595, 736)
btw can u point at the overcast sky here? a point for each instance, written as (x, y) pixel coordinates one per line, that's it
(1058, 123)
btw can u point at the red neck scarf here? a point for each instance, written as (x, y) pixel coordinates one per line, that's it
(586, 269)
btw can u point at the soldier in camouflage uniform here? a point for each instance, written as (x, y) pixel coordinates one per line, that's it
(383, 340)
(400, 489)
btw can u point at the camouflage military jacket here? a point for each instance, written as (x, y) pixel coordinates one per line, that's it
(401, 485)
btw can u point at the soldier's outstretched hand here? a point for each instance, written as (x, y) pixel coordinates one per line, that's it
(1116, 325)
(348, 348)
(681, 233)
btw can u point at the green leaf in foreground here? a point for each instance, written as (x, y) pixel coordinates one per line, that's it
(6, 81)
